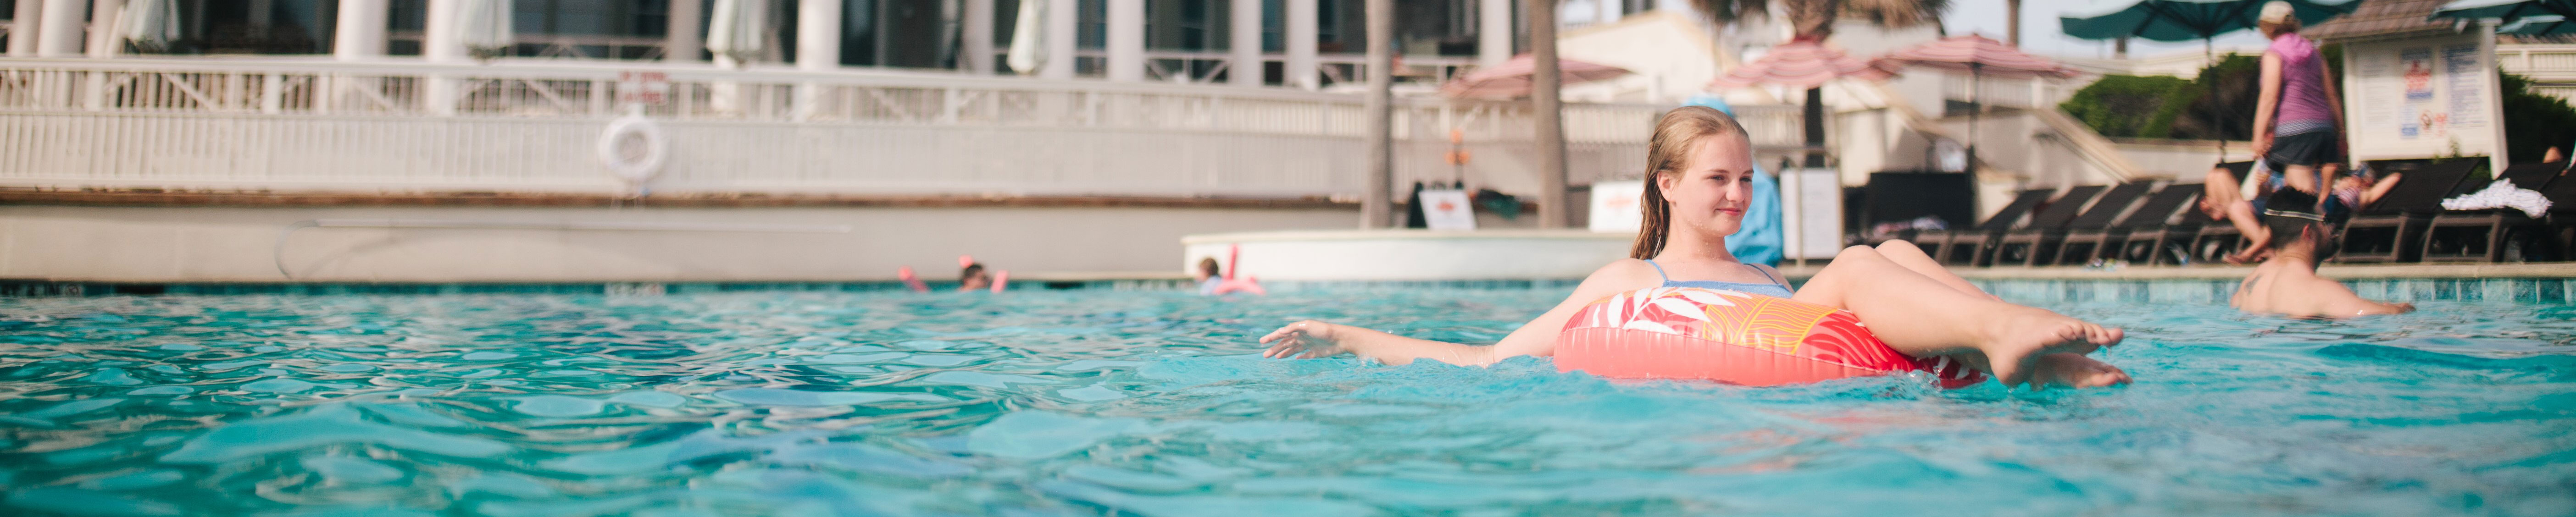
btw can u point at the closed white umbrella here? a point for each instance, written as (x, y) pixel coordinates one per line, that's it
(484, 27)
(738, 29)
(150, 24)
(1027, 54)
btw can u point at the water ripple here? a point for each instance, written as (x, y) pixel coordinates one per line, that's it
(1152, 403)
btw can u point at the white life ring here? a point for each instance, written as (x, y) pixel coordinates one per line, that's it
(634, 129)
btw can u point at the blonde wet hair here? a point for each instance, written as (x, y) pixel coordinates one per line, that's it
(1668, 152)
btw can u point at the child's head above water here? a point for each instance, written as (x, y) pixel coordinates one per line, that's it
(973, 277)
(1699, 174)
(1207, 269)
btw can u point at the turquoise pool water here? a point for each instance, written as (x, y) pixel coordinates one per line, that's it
(1093, 402)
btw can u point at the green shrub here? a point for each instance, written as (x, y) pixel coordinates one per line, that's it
(2129, 106)
(2534, 122)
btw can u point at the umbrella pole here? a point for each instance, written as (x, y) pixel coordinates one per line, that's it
(1814, 117)
(1976, 109)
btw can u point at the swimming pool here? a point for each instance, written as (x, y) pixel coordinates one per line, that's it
(1090, 402)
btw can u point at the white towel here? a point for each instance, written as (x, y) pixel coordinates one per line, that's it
(2501, 194)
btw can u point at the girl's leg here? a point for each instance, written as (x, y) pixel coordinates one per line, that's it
(2222, 198)
(1912, 258)
(1921, 317)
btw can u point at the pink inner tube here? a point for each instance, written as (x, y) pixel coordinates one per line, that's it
(1732, 337)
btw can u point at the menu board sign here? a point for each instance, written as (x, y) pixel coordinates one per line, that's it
(2421, 98)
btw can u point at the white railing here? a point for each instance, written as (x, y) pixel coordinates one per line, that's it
(2022, 93)
(308, 124)
(2557, 60)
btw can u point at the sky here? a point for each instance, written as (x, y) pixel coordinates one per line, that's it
(2040, 30)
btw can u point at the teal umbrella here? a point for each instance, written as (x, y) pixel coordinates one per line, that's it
(2183, 20)
(2539, 25)
(2506, 10)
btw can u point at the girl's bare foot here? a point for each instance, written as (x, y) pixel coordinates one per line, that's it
(2075, 371)
(2014, 342)
(2254, 251)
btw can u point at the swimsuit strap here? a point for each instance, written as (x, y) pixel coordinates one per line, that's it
(1659, 271)
(1766, 274)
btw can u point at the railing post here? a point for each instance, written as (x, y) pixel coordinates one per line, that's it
(950, 105)
(272, 93)
(602, 96)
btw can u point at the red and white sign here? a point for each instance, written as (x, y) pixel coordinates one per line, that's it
(641, 87)
(1447, 210)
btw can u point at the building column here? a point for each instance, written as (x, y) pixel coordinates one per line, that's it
(1244, 65)
(359, 34)
(25, 26)
(1061, 22)
(1493, 32)
(1126, 42)
(61, 35)
(818, 35)
(978, 33)
(682, 42)
(818, 49)
(1300, 70)
(1609, 11)
(440, 44)
(103, 39)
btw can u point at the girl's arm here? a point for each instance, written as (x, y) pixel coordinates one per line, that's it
(2266, 100)
(2371, 197)
(1309, 339)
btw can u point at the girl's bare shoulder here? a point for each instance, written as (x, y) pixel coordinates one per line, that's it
(1622, 275)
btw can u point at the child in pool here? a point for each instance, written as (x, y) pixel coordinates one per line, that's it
(1207, 277)
(974, 277)
(1697, 188)
(2287, 283)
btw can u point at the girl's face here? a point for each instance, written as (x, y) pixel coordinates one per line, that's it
(1708, 195)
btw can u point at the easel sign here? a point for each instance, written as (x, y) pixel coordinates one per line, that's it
(1614, 206)
(1447, 210)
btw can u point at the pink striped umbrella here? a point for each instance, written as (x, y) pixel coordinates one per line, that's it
(1979, 57)
(1974, 54)
(1511, 80)
(1800, 64)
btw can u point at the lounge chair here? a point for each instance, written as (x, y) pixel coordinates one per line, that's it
(2022, 245)
(1898, 196)
(2492, 235)
(1945, 246)
(2112, 242)
(2393, 229)
(2561, 232)
(2048, 245)
(2169, 243)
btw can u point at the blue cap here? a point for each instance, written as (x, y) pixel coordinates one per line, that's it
(1712, 102)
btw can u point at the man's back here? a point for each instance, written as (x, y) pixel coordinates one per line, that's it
(2291, 287)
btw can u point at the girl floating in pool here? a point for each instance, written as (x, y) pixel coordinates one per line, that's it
(1697, 188)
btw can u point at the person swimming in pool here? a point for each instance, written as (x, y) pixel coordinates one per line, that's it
(2287, 283)
(971, 276)
(1697, 187)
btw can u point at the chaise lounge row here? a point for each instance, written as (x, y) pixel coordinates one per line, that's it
(2141, 223)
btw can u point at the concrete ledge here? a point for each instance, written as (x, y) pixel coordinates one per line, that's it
(2335, 271)
(1411, 255)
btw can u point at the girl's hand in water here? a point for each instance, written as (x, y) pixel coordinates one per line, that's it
(1303, 340)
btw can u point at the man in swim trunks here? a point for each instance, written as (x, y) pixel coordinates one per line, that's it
(2287, 283)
